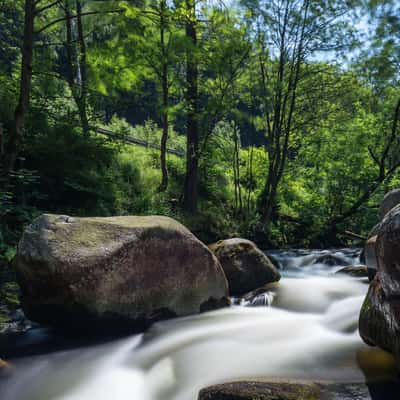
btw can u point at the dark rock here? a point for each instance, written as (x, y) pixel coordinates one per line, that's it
(262, 296)
(115, 273)
(245, 265)
(379, 322)
(330, 259)
(390, 200)
(370, 253)
(358, 271)
(362, 256)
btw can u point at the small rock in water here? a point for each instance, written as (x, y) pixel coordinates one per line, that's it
(330, 259)
(5, 368)
(246, 267)
(262, 296)
(358, 271)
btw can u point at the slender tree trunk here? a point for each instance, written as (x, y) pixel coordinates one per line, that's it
(236, 166)
(71, 74)
(190, 196)
(82, 98)
(77, 71)
(165, 104)
(250, 179)
(17, 135)
(1, 142)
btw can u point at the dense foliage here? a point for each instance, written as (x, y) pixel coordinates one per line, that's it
(271, 119)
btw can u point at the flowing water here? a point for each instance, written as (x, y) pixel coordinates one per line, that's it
(305, 328)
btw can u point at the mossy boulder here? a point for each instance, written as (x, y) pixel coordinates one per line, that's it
(379, 321)
(245, 265)
(117, 272)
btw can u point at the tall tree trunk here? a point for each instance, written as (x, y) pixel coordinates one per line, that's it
(165, 104)
(236, 170)
(190, 196)
(71, 74)
(17, 135)
(82, 98)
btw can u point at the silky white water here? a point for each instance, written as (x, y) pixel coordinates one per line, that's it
(309, 332)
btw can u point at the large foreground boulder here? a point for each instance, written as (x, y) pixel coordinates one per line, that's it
(117, 272)
(380, 315)
(245, 265)
(248, 390)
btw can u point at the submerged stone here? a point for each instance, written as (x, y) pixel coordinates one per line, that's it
(330, 259)
(115, 273)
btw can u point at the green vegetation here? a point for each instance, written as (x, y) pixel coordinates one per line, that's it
(281, 115)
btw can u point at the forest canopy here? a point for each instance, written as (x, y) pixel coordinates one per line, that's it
(275, 120)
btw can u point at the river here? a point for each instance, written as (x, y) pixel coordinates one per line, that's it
(306, 328)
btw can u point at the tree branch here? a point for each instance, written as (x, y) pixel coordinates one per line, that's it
(56, 21)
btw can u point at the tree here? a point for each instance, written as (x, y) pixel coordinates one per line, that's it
(289, 32)
(190, 193)
(77, 61)
(17, 134)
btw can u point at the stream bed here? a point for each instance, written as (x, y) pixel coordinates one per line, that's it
(304, 329)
